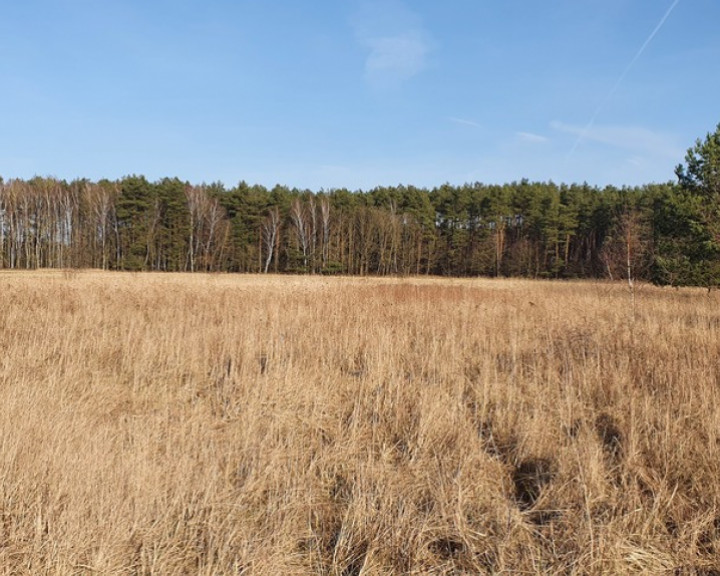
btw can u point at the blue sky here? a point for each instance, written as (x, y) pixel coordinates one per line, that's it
(356, 93)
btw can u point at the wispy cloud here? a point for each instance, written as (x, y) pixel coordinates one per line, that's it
(639, 140)
(401, 56)
(464, 122)
(584, 132)
(397, 43)
(531, 138)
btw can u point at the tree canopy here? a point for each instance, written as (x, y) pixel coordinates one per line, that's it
(666, 233)
(688, 222)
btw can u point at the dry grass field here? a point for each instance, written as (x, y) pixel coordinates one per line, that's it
(212, 424)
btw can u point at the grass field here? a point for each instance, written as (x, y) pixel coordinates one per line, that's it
(213, 424)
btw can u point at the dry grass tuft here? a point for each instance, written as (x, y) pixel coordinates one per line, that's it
(177, 424)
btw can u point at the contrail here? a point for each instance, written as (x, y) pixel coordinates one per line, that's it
(619, 81)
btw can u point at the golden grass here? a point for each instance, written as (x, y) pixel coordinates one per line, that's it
(212, 424)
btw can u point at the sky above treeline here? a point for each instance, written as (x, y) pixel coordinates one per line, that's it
(357, 93)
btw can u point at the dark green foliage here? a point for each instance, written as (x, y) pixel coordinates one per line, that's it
(170, 249)
(246, 207)
(667, 233)
(530, 229)
(687, 220)
(135, 209)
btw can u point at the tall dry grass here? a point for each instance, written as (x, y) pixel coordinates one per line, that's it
(177, 424)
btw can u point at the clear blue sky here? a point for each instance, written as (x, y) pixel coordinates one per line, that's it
(356, 93)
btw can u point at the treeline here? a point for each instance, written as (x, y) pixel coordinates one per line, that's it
(521, 229)
(667, 233)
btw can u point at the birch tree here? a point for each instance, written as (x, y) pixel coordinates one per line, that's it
(270, 230)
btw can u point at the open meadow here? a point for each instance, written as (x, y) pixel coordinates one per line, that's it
(167, 424)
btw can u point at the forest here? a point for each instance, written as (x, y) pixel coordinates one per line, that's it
(666, 233)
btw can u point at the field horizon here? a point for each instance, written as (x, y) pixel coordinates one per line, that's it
(177, 423)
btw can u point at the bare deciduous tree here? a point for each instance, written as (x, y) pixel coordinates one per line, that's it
(101, 198)
(270, 229)
(300, 222)
(325, 222)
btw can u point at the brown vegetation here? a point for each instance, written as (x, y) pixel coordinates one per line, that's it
(211, 424)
